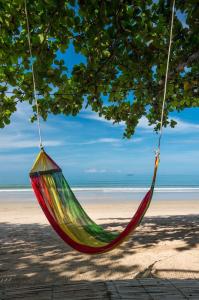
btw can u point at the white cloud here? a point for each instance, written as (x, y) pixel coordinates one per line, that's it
(94, 170)
(21, 133)
(186, 141)
(185, 126)
(134, 140)
(15, 158)
(113, 141)
(96, 117)
(181, 126)
(180, 157)
(102, 140)
(15, 142)
(144, 124)
(109, 140)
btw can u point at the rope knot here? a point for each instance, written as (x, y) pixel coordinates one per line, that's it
(157, 152)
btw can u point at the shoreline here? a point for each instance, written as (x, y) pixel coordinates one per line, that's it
(116, 189)
(109, 195)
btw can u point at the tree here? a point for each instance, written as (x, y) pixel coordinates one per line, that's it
(125, 46)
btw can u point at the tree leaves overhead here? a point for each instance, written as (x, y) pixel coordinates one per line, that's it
(124, 45)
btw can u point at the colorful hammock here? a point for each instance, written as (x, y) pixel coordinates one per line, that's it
(67, 216)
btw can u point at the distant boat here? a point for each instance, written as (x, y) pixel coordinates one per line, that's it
(130, 174)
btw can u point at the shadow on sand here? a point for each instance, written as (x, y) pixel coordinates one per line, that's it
(33, 253)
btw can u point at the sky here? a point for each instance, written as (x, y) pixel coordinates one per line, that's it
(89, 146)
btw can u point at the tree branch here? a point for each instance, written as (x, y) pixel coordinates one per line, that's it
(181, 66)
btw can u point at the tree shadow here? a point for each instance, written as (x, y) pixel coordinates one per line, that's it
(34, 253)
(165, 228)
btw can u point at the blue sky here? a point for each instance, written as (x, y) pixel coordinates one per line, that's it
(87, 145)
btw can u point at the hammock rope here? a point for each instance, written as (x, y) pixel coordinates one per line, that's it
(166, 75)
(33, 77)
(57, 200)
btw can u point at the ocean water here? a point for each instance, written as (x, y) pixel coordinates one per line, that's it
(118, 187)
(132, 180)
(113, 180)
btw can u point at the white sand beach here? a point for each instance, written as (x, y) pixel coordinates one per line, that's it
(166, 244)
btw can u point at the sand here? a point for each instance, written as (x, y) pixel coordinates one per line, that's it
(166, 245)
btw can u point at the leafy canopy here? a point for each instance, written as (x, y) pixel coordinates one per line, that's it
(125, 46)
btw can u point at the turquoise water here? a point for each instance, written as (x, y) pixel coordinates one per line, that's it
(131, 180)
(103, 188)
(123, 181)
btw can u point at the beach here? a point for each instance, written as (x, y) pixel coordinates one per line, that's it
(165, 245)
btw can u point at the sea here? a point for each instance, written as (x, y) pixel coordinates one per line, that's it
(116, 187)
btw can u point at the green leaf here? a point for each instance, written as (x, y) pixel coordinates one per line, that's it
(41, 37)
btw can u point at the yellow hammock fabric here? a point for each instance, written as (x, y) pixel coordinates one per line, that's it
(67, 216)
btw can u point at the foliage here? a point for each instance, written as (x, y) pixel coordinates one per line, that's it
(125, 48)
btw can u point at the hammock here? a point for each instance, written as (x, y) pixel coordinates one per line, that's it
(67, 216)
(60, 205)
